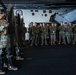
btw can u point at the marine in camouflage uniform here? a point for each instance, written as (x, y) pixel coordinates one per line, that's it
(67, 34)
(44, 33)
(35, 32)
(61, 29)
(52, 34)
(30, 32)
(7, 54)
(71, 32)
(2, 49)
(48, 35)
(74, 33)
(5, 51)
(40, 32)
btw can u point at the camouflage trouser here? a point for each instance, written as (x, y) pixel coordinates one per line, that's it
(68, 38)
(62, 36)
(44, 39)
(71, 35)
(74, 41)
(52, 38)
(30, 38)
(2, 58)
(34, 39)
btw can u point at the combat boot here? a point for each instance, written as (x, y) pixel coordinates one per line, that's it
(12, 68)
(31, 45)
(5, 65)
(54, 43)
(1, 72)
(59, 43)
(73, 43)
(36, 44)
(51, 43)
(41, 43)
(19, 58)
(46, 44)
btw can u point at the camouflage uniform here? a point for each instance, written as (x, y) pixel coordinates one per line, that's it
(71, 32)
(30, 32)
(52, 34)
(44, 33)
(67, 34)
(6, 53)
(48, 35)
(35, 32)
(62, 34)
(74, 33)
(3, 40)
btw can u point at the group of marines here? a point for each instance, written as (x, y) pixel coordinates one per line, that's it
(53, 33)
